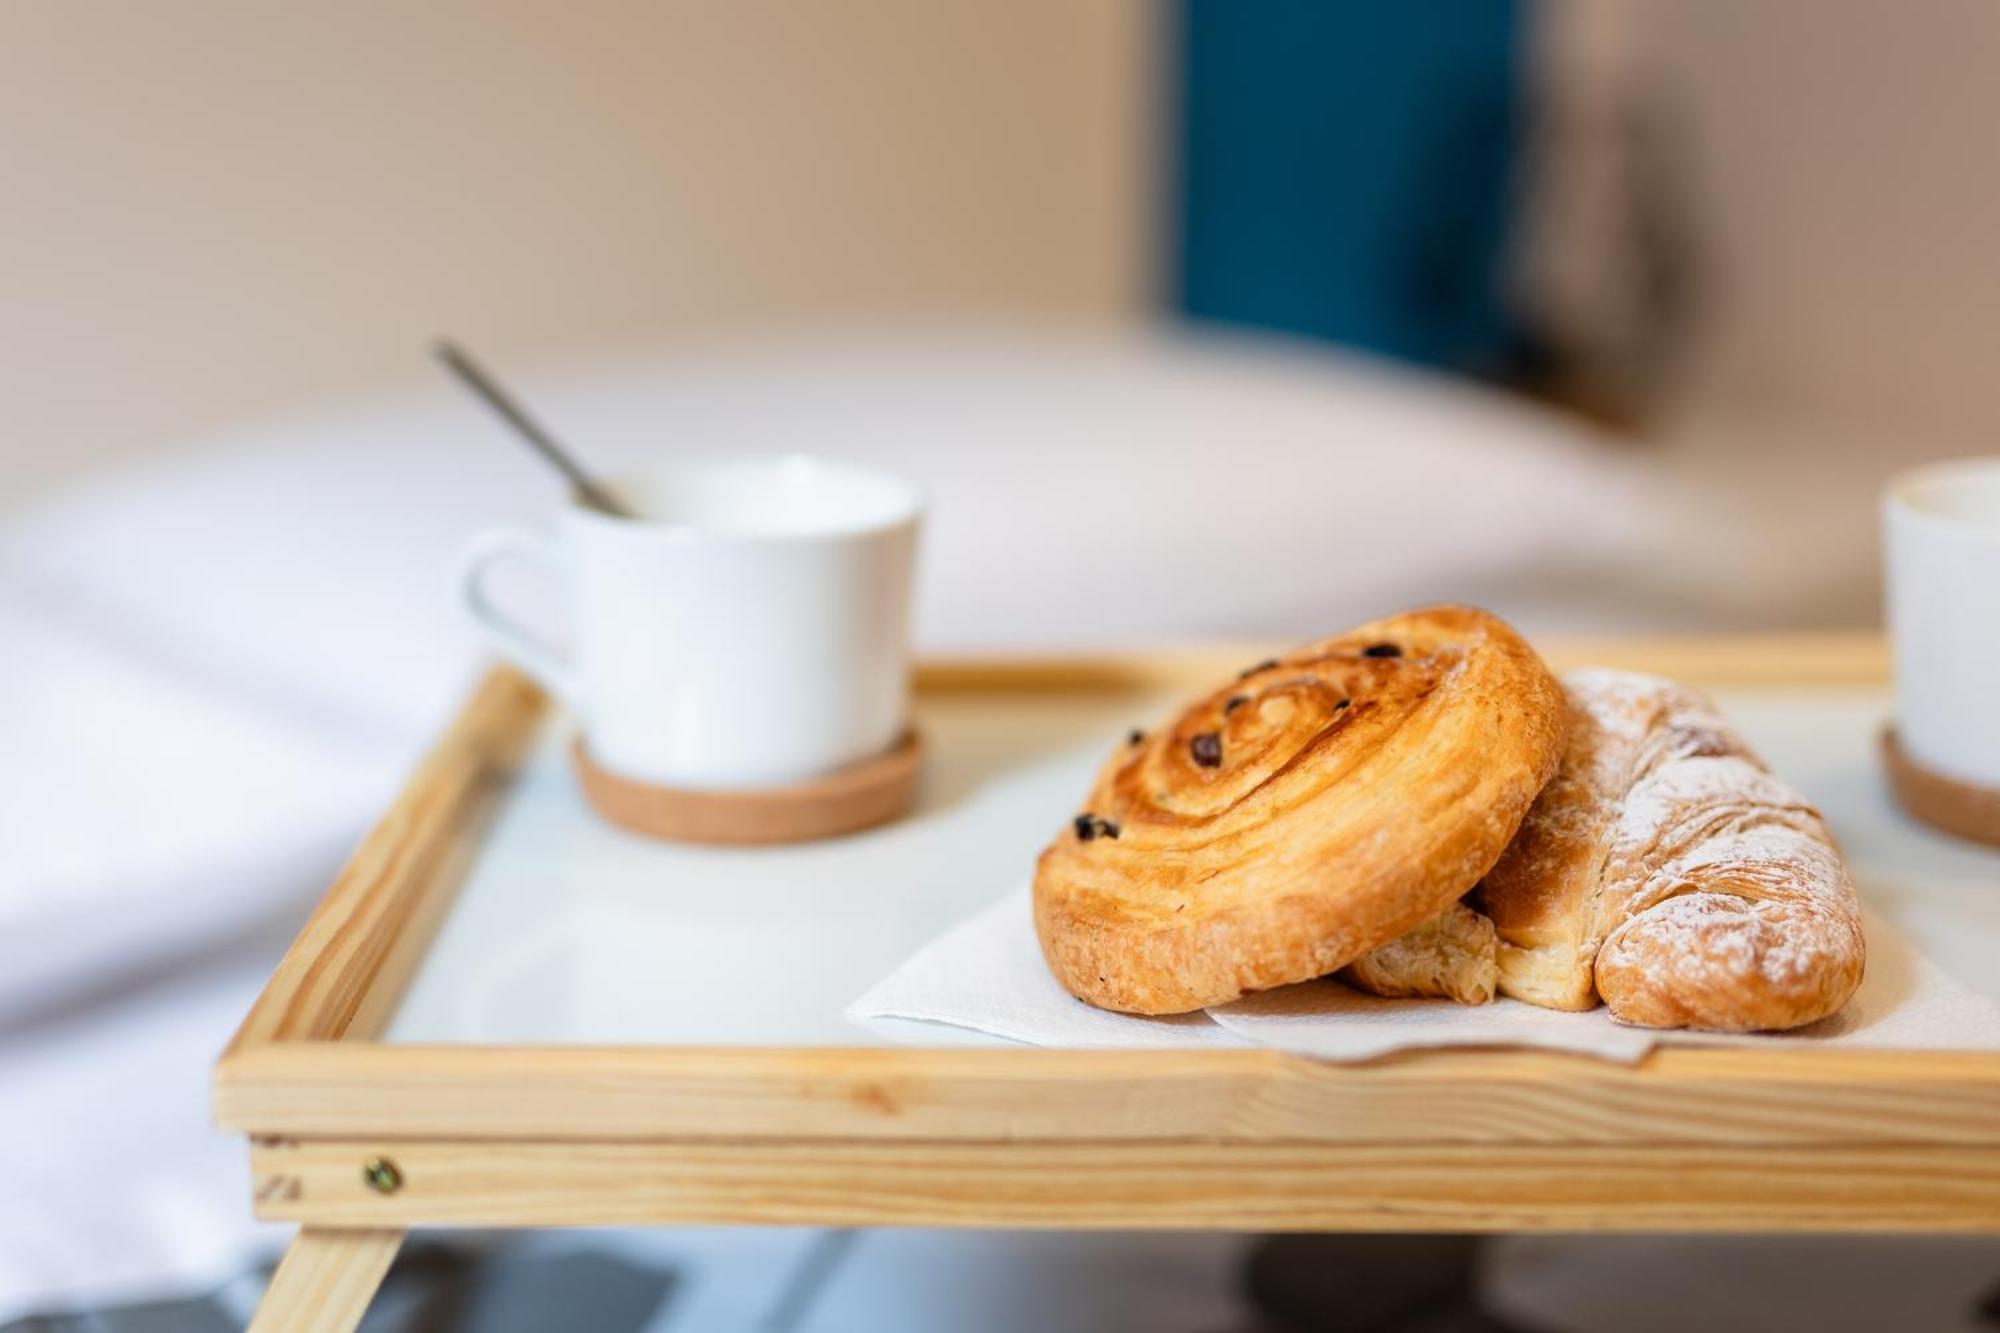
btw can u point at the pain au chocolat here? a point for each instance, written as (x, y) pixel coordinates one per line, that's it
(1320, 805)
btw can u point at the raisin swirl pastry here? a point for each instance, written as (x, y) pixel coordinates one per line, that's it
(1320, 805)
(1666, 872)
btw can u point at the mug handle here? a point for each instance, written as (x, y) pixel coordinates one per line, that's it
(548, 665)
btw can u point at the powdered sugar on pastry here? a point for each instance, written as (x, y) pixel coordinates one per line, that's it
(1666, 871)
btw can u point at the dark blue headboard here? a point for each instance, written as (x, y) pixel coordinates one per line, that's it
(1343, 170)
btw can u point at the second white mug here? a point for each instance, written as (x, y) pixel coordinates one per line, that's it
(749, 629)
(1942, 544)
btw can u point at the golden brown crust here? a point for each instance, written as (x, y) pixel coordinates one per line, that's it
(1666, 871)
(1320, 805)
(1449, 957)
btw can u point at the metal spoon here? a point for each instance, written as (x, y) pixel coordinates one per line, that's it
(468, 372)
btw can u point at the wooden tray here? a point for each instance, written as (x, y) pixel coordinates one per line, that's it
(609, 1032)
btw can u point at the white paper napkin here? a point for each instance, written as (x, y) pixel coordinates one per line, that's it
(987, 974)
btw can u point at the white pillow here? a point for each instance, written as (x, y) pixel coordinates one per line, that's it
(1085, 491)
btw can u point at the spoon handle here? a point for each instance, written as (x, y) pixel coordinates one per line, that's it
(476, 379)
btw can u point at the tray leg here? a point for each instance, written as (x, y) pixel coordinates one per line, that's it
(326, 1279)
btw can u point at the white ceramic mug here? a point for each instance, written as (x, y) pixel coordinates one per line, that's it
(1942, 542)
(749, 629)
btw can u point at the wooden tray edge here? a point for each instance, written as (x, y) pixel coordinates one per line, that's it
(303, 1061)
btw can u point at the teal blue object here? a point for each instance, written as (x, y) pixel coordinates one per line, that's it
(1344, 171)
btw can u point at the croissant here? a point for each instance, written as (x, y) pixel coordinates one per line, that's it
(1665, 871)
(1320, 805)
(1454, 956)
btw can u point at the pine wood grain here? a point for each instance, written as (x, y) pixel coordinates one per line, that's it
(1709, 1139)
(326, 1280)
(1465, 1097)
(1183, 1185)
(359, 946)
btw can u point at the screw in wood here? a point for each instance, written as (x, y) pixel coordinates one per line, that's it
(382, 1175)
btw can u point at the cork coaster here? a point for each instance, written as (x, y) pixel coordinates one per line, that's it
(859, 796)
(1946, 803)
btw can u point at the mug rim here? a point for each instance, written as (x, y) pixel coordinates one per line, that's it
(1900, 496)
(908, 507)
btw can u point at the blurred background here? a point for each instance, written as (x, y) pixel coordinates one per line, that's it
(1733, 231)
(1614, 316)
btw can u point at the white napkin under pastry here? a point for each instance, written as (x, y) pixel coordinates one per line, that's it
(987, 974)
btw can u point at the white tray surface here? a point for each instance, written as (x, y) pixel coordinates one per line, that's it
(569, 931)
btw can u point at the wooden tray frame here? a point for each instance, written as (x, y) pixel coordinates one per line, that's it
(1725, 1139)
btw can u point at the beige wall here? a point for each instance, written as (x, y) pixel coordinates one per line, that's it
(1846, 155)
(213, 208)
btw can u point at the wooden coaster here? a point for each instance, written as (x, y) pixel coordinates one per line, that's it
(1956, 807)
(859, 796)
